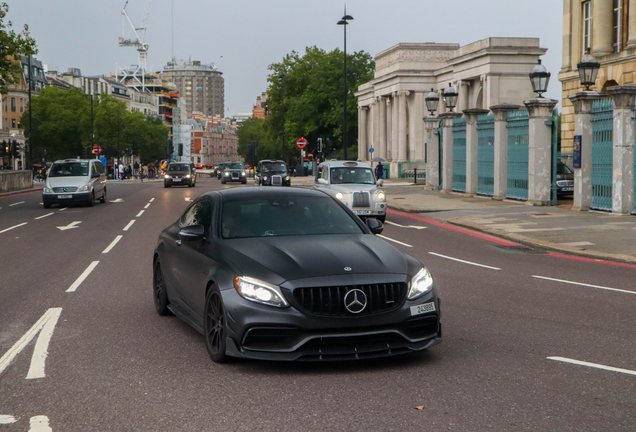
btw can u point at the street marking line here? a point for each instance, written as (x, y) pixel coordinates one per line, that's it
(140, 213)
(42, 217)
(592, 365)
(390, 239)
(17, 348)
(112, 245)
(406, 226)
(118, 200)
(17, 203)
(147, 205)
(188, 199)
(10, 228)
(584, 284)
(152, 199)
(39, 424)
(591, 260)
(7, 419)
(127, 227)
(40, 352)
(578, 244)
(465, 262)
(83, 276)
(62, 209)
(72, 225)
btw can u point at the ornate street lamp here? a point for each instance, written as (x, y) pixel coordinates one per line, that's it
(344, 22)
(432, 102)
(540, 78)
(450, 97)
(588, 70)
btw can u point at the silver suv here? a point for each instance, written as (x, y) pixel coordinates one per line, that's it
(73, 181)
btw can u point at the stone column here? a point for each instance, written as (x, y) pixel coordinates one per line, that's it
(623, 179)
(539, 151)
(583, 126)
(402, 127)
(389, 128)
(447, 150)
(417, 137)
(472, 149)
(464, 88)
(394, 128)
(382, 149)
(631, 25)
(602, 27)
(432, 152)
(501, 149)
(363, 149)
(375, 140)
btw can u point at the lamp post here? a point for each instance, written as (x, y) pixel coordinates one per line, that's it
(432, 102)
(540, 78)
(281, 78)
(588, 70)
(30, 118)
(345, 22)
(450, 97)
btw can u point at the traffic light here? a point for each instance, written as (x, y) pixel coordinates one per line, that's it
(14, 148)
(319, 146)
(170, 147)
(180, 149)
(3, 147)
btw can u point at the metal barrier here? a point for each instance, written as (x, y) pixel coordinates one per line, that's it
(602, 154)
(459, 154)
(518, 142)
(486, 155)
(440, 135)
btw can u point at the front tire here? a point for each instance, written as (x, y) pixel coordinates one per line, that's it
(103, 198)
(91, 200)
(381, 218)
(159, 291)
(46, 205)
(214, 326)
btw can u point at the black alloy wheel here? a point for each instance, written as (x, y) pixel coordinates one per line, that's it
(103, 198)
(214, 326)
(159, 291)
(381, 218)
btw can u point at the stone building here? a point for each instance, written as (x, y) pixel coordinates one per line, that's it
(488, 72)
(214, 140)
(202, 85)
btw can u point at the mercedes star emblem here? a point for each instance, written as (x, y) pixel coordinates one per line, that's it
(347, 269)
(355, 301)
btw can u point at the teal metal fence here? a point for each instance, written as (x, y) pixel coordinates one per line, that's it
(440, 136)
(602, 154)
(486, 155)
(518, 140)
(554, 125)
(459, 154)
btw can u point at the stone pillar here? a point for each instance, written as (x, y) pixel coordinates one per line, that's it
(583, 126)
(447, 150)
(539, 151)
(402, 127)
(472, 149)
(631, 25)
(382, 147)
(464, 88)
(432, 152)
(602, 27)
(389, 128)
(394, 128)
(623, 178)
(375, 114)
(501, 149)
(363, 149)
(417, 137)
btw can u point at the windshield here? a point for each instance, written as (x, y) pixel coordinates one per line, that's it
(69, 169)
(235, 165)
(563, 169)
(288, 216)
(274, 167)
(179, 167)
(346, 175)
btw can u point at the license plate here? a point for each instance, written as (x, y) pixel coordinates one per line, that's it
(568, 189)
(64, 196)
(423, 308)
(176, 180)
(362, 212)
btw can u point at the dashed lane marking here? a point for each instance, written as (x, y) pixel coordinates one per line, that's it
(127, 227)
(42, 217)
(39, 424)
(152, 199)
(463, 261)
(13, 227)
(17, 203)
(62, 209)
(140, 213)
(118, 200)
(593, 365)
(112, 245)
(7, 419)
(83, 276)
(395, 241)
(584, 284)
(147, 205)
(406, 226)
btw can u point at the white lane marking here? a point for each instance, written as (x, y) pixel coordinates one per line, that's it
(112, 245)
(83, 276)
(39, 424)
(578, 244)
(17, 203)
(42, 217)
(390, 239)
(188, 199)
(406, 226)
(17, 348)
(72, 225)
(152, 199)
(118, 200)
(127, 227)
(593, 365)
(140, 213)
(10, 228)
(7, 419)
(62, 209)
(147, 205)
(584, 284)
(40, 352)
(465, 262)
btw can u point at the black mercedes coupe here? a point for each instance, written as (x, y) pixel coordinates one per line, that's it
(292, 274)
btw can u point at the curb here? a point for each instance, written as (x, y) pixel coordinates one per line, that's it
(19, 192)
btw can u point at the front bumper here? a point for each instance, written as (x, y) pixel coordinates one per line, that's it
(268, 182)
(75, 198)
(263, 332)
(172, 182)
(231, 178)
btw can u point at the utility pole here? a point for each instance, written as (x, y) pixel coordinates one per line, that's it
(30, 119)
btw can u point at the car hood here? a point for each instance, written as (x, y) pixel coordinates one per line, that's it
(349, 188)
(67, 181)
(280, 259)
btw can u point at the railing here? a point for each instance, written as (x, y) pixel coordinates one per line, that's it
(486, 155)
(602, 154)
(518, 143)
(459, 154)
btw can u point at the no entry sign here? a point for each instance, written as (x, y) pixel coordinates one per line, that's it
(301, 143)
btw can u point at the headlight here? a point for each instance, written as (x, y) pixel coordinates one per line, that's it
(264, 178)
(226, 174)
(421, 283)
(243, 173)
(167, 176)
(84, 188)
(381, 196)
(47, 190)
(287, 178)
(259, 291)
(187, 175)
(339, 195)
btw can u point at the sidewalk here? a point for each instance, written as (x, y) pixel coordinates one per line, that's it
(593, 234)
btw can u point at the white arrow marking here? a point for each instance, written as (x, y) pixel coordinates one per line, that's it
(39, 424)
(70, 226)
(406, 226)
(117, 200)
(36, 370)
(7, 419)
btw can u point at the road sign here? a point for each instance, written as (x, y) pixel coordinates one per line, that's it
(97, 149)
(371, 150)
(301, 143)
(102, 159)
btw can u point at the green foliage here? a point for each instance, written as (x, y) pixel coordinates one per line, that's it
(12, 46)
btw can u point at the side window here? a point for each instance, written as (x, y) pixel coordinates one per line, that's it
(99, 167)
(93, 169)
(199, 213)
(189, 216)
(325, 173)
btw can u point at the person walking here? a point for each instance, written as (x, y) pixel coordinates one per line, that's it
(121, 171)
(379, 171)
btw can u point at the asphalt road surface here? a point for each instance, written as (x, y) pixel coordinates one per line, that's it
(532, 341)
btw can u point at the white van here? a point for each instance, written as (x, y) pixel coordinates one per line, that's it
(73, 181)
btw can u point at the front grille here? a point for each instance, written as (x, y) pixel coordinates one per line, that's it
(64, 189)
(269, 338)
(354, 347)
(330, 300)
(277, 180)
(361, 199)
(565, 183)
(422, 327)
(235, 175)
(176, 177)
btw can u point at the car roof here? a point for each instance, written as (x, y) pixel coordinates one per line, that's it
(272, 160)
(257, 192)
(345, 164)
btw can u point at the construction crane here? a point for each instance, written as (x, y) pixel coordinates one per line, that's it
(136, 38)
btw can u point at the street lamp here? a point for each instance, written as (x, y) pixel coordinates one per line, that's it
(450, 97)
(540, 78)
(432, 102)
(281, 78)
(344, 22)
(588, 70)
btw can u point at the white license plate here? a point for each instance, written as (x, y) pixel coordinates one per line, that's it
(569, 189)
(176, 180)
(362, 212)
(423, 308)
(64, 196)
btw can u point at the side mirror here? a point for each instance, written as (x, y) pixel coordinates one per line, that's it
(375, 226)
(192, 232)
(380, 182)
(322, 181)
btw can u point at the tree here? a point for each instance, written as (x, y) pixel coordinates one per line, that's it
(13, 45)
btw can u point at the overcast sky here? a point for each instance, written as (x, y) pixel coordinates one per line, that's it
(242, 37)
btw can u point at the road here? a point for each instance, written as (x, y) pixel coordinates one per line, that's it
(76, 283)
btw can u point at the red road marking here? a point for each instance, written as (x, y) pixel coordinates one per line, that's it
(23, 193)
(591, 260)
(450, 227)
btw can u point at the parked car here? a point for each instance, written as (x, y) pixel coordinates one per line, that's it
(565, 179)
(272, 173)
(73, 181)
(291, 274)
(354, 184)
(180, 174)
(233, 172)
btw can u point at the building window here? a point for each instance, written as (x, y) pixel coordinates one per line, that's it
(21, 105)
(12, 104)
(617, 34)
(587, 26)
